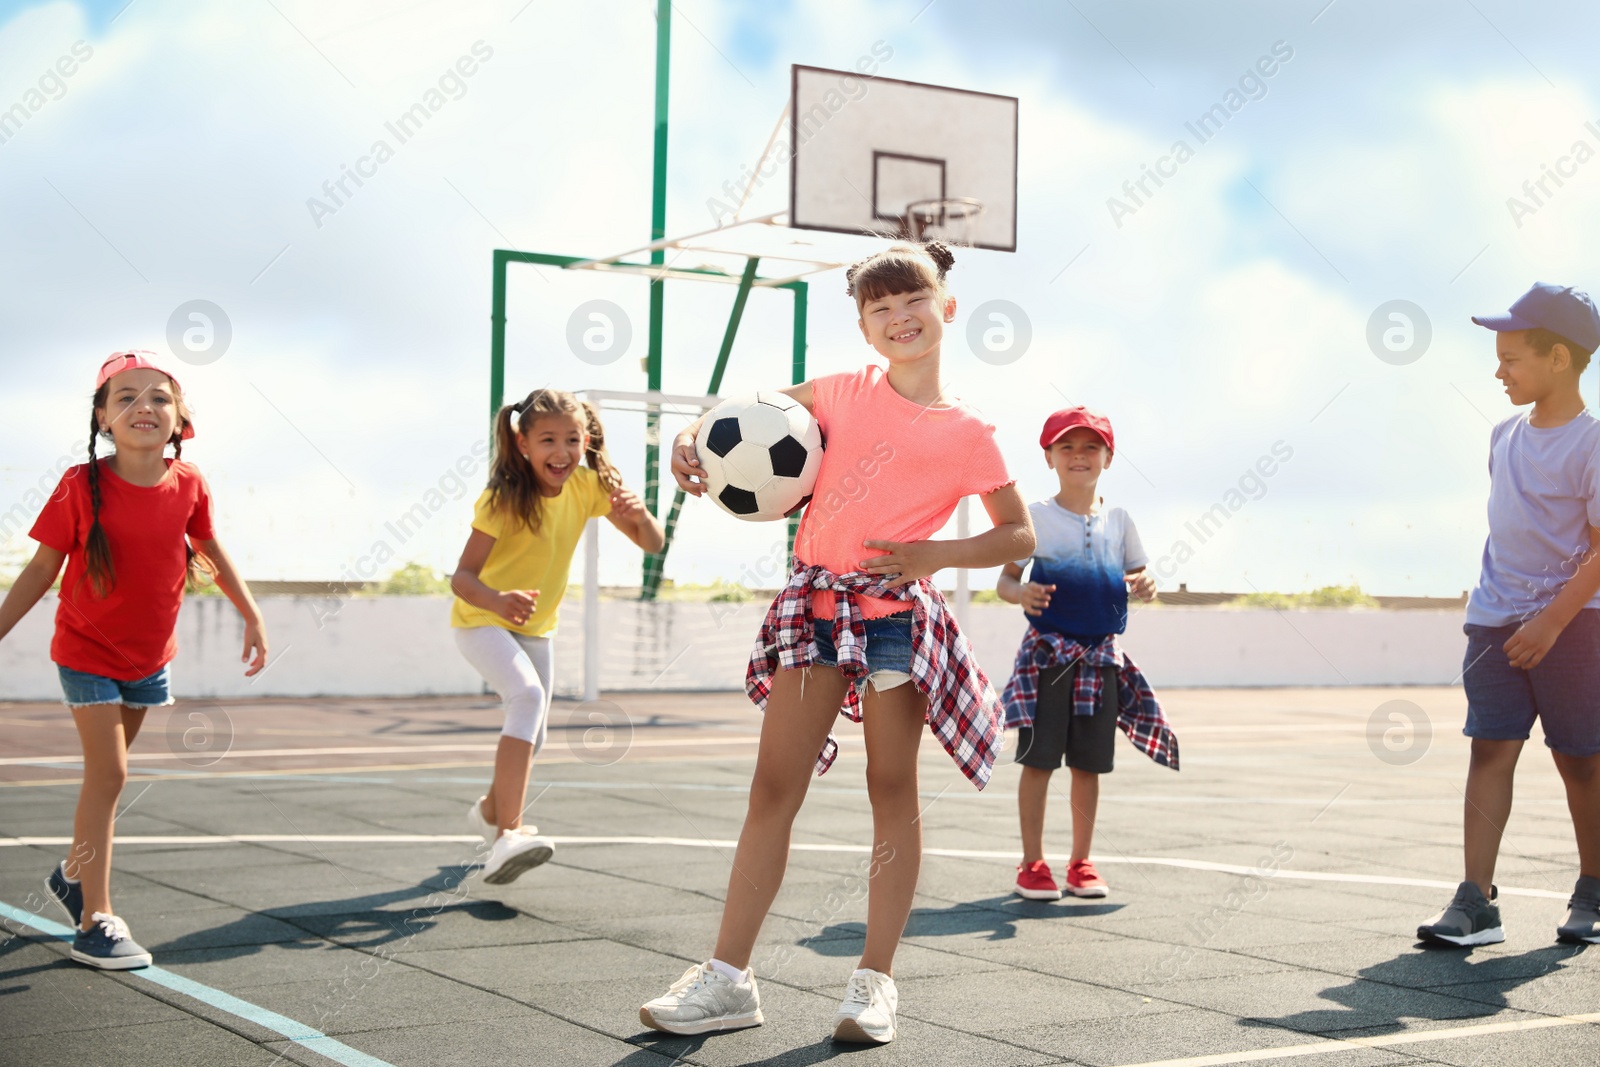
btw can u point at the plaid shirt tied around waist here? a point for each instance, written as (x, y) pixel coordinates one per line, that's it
(963, 711)
(1138, 712)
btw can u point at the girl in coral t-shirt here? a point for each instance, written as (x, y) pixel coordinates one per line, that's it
(132, 529)
(862, 619)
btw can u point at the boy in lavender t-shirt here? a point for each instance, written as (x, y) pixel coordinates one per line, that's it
(1533, 622)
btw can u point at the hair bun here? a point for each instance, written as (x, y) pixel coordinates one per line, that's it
(850, 276)
(941, 255)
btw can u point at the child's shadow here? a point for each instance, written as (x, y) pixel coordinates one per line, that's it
(995, 916)
(654, 1045)
(1409, 986)
(359, 922)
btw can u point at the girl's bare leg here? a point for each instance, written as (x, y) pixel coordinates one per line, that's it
(104, 732)
(513, 762)
(894, 723)
(793, 730)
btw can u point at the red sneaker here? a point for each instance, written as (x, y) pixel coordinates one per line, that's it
(1035, 882)
(1084, 881)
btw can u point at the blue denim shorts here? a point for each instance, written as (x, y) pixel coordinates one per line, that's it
(1562, 692)
(888, 648)
(81, 689)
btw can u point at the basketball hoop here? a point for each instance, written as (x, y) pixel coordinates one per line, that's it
(952, 219)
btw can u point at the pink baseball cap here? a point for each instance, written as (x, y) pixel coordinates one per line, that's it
(136, 359)
(1071, 418)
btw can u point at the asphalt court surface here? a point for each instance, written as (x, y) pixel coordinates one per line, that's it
(302, 873)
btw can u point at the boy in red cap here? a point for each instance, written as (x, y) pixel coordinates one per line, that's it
(1072, 685)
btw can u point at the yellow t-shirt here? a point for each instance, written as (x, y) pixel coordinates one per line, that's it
(521, 559)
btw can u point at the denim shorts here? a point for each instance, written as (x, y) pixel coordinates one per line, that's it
(1562, 692)
(888, 648)
(81, 689)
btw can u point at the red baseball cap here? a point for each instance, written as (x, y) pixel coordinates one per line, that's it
(136, 359)
(1071, 418)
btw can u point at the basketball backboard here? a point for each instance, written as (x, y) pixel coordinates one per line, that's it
(863, 150)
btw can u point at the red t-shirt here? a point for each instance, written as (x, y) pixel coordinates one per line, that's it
(892, 470)
(131, 633)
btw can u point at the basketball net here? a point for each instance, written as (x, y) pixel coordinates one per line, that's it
(953, 220)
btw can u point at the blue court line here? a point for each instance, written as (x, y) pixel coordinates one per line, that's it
(299, 1033)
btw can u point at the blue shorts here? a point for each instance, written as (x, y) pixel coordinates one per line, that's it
(1562, 692)
(81, 689)
(888, 648)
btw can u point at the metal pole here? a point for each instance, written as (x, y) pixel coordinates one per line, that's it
(591, 610)
(497, 340)
(797, 373)
(658, 230)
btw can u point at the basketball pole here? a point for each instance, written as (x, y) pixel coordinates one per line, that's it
(658, 287)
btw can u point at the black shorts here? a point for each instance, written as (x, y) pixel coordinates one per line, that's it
(1082, 742)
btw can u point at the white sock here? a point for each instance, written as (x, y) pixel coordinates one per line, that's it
(70, 881)
(732, 974)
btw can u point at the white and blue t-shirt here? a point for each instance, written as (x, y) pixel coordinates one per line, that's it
(1544, 494)
(1086, 558)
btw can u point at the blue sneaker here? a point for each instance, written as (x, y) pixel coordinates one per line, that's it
(67, 893)
(108, 945)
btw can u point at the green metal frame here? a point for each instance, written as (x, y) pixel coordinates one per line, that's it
(747, 280)
(503, 258)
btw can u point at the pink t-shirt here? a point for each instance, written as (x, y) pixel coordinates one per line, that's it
(892, 470)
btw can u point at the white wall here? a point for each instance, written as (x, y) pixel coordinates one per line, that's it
(401, 646)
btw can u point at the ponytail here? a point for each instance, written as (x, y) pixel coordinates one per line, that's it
(97, 547)
(595, 455)
(512, 485)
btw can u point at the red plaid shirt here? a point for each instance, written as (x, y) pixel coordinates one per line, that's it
(1138, 711)
(963, 712)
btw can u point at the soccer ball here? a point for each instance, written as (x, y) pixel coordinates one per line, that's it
(760, 454)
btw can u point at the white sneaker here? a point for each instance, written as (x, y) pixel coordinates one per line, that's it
(514, 852)
(478, 824)
(867, 1014)
(702, 1001)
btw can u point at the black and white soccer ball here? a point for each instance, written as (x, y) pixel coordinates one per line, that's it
(760, 454)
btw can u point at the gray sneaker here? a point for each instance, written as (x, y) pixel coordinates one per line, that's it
(1469, 920)
(702, 1001)
(1583, 915)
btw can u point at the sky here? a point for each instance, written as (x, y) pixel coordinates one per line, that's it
(1221, 319)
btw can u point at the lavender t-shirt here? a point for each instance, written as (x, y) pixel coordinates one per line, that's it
(1544, 494)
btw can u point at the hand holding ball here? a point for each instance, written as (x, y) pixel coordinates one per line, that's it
(759, 456)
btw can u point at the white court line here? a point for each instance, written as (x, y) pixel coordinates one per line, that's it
(298, 1032)
(1320, 1048)
(376, 750)
(697, 842)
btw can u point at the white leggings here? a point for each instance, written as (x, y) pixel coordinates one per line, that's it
(517, 667)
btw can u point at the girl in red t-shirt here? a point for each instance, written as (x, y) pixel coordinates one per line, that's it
(859, 606)
(132, 529)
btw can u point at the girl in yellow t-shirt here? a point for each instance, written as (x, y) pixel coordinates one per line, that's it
(509, 584)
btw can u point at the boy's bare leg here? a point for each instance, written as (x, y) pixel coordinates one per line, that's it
(1488, 806)
(1085, 803)
(893, 722)
(1581, 774)
(793, 730)
(1033, 790)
